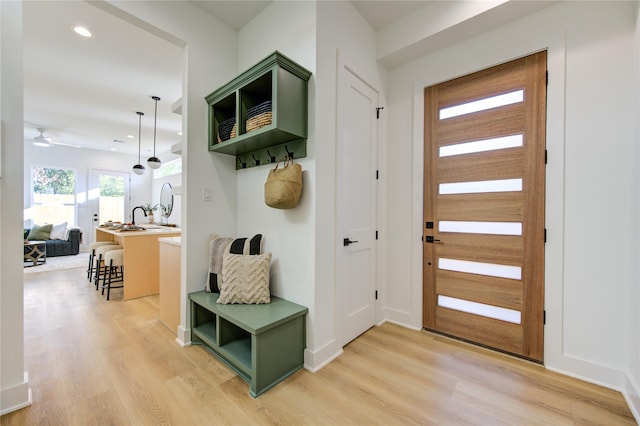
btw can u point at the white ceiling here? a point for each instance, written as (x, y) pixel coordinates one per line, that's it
(85, 92)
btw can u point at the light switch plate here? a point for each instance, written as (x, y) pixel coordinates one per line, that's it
(207, 194)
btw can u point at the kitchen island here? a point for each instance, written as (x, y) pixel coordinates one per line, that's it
(141, 257)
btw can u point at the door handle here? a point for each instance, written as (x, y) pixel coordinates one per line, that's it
(430, 239)
(347, 241)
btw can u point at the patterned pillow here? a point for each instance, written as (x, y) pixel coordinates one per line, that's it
(245, 279)
(220, 245)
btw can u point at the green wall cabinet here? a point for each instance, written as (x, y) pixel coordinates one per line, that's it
(264, 343)
(261, 115)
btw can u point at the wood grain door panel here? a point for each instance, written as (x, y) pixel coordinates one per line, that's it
(484, 256)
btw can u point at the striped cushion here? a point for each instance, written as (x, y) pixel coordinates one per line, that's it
(251, 246)
(245, 279)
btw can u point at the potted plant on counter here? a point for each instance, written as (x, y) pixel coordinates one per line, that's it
(149, 209)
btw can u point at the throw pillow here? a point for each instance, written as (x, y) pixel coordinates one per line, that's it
(245, 279)
(59, 231)
(220, 245)
(40, 232)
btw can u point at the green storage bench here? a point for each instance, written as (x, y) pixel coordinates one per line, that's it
(263, 343)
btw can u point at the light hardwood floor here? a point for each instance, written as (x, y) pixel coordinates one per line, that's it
(93, 362)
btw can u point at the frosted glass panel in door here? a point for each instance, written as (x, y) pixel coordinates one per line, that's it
(109, 196)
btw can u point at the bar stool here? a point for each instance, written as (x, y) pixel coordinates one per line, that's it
(114, 263)
(99, 265)
(92, 253)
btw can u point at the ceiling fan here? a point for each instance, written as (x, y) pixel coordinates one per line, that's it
(45, 141)
(41, 140)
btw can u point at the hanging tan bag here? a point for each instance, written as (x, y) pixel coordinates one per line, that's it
(284, 185)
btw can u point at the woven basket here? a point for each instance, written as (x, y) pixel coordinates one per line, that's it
(283, 186)
(230, 136)
(260, 120)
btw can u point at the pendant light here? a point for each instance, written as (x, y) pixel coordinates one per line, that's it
(154, 162)
(139, 168)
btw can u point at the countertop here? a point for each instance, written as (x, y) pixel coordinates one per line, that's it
(149, 230)
(176, 241)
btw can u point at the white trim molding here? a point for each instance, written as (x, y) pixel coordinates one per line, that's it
(183, 336)
(315, 360)
(15, 397)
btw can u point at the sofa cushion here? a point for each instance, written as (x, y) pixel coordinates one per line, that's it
(59, 231)
(40, 232)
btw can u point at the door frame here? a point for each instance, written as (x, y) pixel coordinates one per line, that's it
(341, 69)
(555, 45)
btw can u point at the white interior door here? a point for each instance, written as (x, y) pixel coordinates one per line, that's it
(356, 204)
(108, 197)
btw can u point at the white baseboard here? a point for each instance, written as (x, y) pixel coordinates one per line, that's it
(599, 375)
(315, 360)
(632, 396)
(183, 336)
(401, 324)
(586, 371)
(402, 318)
(15, 397)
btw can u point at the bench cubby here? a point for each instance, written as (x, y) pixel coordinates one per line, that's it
(263, 343)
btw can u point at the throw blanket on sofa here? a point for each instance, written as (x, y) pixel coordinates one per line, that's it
(221, 245)
(69, 229)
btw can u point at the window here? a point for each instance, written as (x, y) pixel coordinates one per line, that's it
(53, 196)
(168, 168)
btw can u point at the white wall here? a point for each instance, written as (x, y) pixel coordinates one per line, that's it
(303, 240)
(288, 234)
(633, 383)
(591, 255)
(84, 162)
(344, 39)
(14, 380)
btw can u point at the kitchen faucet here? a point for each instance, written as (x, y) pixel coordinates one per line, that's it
(133, 214)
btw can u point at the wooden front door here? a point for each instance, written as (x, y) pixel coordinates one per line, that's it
(484, 183)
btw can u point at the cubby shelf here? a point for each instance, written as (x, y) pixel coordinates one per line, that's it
(264, 343)
(275, 85)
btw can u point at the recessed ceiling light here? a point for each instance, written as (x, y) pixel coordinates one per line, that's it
(179, 133)
(112, 149)
(83, 31)
(130, 136)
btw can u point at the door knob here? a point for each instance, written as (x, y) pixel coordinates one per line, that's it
(347, 241)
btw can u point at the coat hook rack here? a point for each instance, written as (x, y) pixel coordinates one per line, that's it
(271, 154)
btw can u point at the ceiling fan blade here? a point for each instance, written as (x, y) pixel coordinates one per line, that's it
(65, 144)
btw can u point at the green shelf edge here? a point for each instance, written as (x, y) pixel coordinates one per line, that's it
(276, 58)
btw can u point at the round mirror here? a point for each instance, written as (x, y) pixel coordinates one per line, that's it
(166, 199)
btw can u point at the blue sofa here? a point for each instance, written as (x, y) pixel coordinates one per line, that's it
(63, 247)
